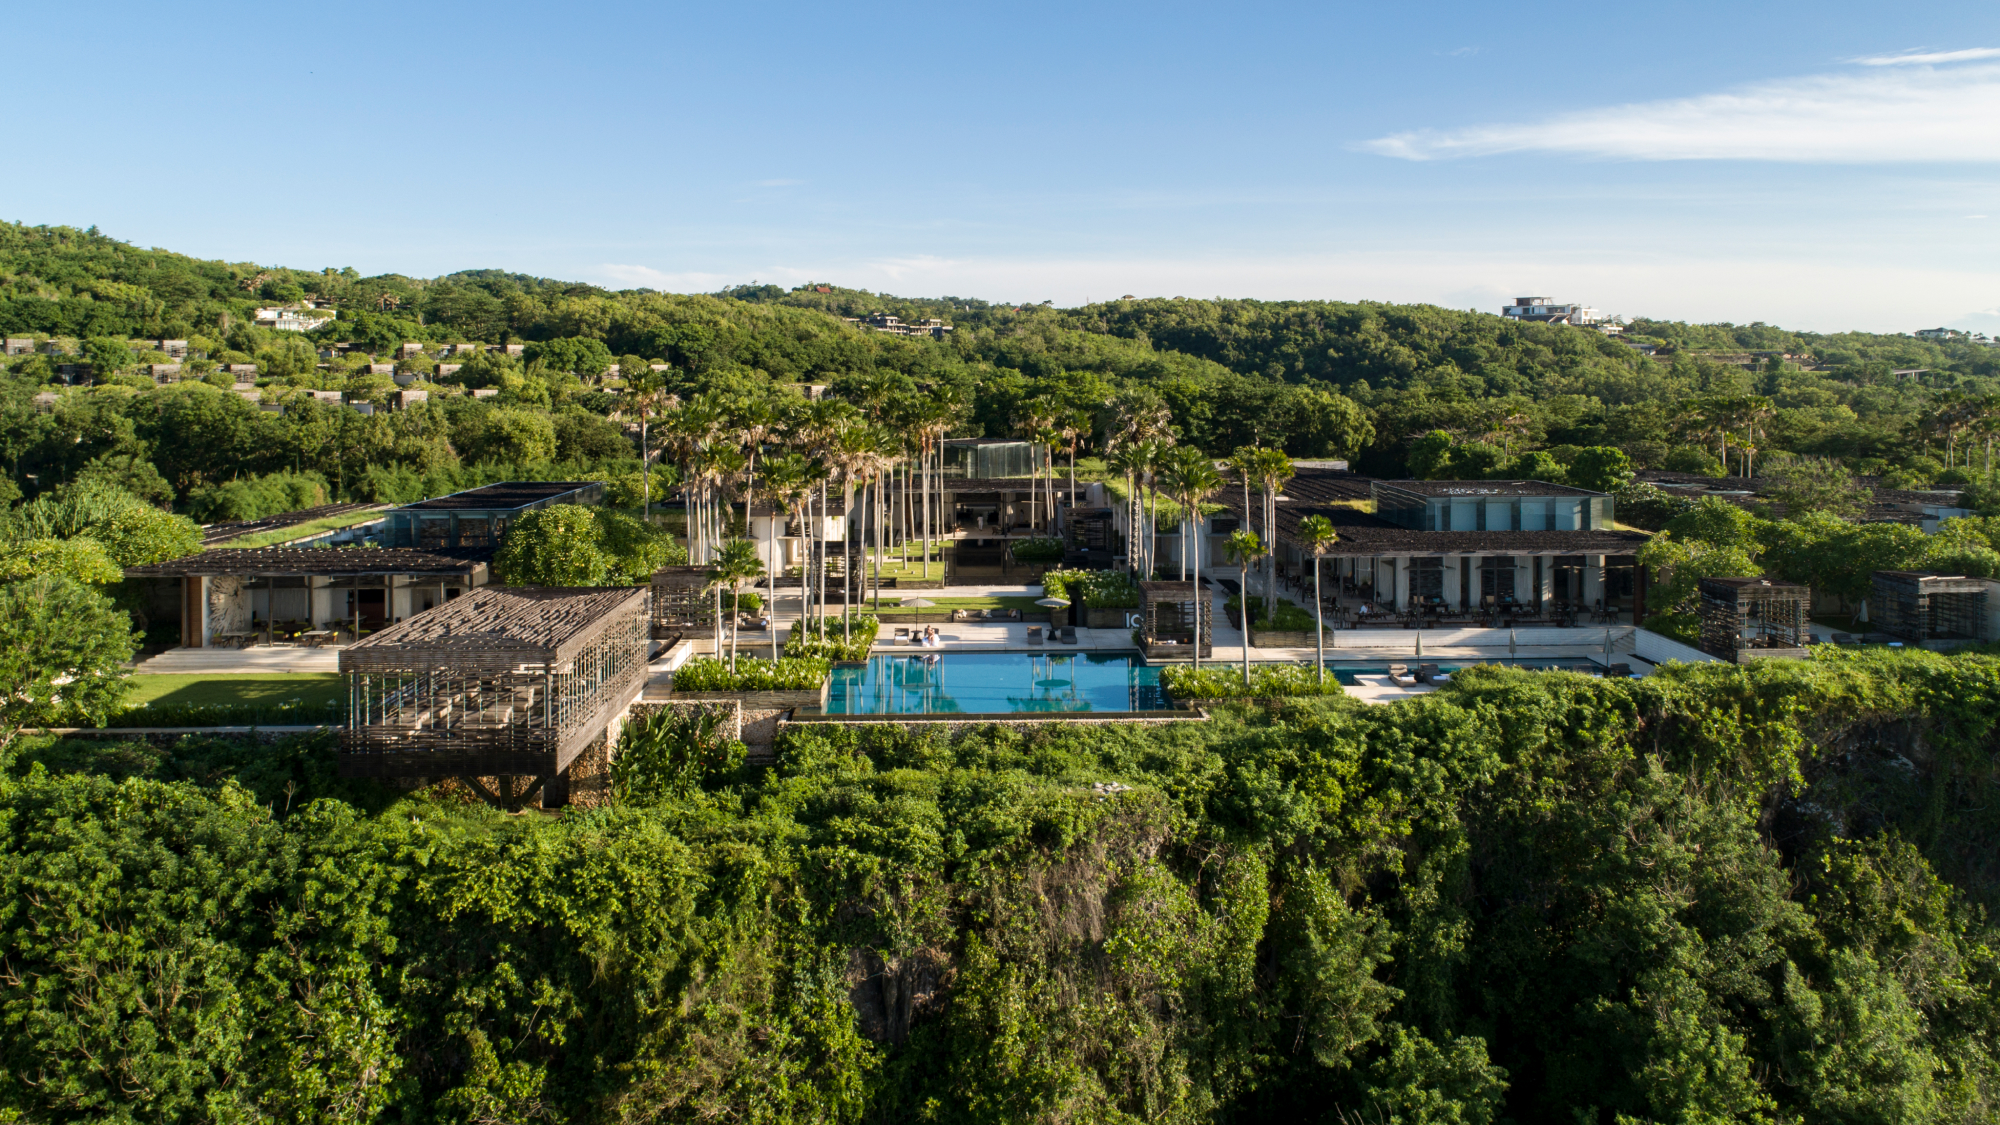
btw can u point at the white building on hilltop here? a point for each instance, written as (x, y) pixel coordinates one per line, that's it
(1545, 311)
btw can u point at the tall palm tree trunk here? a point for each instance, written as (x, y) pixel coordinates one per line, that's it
(1319, 622)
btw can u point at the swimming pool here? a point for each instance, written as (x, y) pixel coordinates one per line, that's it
(995, 682)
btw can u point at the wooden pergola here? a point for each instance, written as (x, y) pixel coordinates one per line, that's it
(1729, 605)
(508, 683)
(681, 603)
(1173, 612)
(1924, 606)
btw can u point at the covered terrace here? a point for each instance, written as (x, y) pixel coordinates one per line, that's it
(304, 596)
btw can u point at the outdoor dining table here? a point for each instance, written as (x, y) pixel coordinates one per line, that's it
(317, 637)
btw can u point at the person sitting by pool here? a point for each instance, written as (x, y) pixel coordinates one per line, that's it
(931, 637)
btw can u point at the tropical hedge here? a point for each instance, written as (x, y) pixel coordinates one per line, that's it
(1720, 893)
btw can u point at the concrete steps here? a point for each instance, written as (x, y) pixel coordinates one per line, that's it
(226, 661)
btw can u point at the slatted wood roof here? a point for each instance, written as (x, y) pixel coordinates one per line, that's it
(540, 624)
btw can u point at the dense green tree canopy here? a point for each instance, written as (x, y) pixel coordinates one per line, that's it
(1721, 893)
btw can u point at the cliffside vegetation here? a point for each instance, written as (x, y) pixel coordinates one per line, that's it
(1746, 894)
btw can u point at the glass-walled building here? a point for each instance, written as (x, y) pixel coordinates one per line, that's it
(992, 458)
(1498, 505)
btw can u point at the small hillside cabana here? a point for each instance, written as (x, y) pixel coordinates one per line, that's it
(1729, 606)
(1924, 606)
(1173, 612)
(510, 683)
(681, 602)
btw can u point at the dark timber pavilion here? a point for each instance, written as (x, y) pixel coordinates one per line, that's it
(1924, 606)
(506, 683)
(1176, 617)
(1746, 618)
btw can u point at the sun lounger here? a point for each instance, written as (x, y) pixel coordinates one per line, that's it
(1427, 673)
(1069, 634)
(1034, 634)
(1399, 674)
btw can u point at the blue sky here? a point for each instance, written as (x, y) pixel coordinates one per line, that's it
(1827, 165)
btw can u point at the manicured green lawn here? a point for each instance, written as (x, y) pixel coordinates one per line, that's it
(1006, 601)
(250, 689)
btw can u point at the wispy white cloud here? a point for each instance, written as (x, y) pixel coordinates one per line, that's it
(1925, 114)
(779, 183)
(649, 278)
(1931, 58)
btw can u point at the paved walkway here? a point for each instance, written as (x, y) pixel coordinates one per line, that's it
(227, 661)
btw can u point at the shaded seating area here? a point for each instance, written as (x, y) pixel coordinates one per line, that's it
(1177, 619)
(1919, 606)
(681, 603)
(506, 683)
(302, 596)
(1747, 618)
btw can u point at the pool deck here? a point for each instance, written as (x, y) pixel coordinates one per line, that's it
(989, 637)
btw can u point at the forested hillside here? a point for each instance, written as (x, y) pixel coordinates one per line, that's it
(1322, 378)
(1719, 894)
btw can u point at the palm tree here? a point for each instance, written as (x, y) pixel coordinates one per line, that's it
(814, 428)
(1141, 424)
(1244, 464)
(735, 562)
(1130, 462)
(1273, 469)
(1244, 544)
(853, 454)
(788, 481)
(646, 391)
(1049, 438)
(1318, 536)
(1192, 478)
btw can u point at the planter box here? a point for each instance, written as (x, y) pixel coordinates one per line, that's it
(1120, 617)
(1176, 652)
(815, 698)
(1261, 639)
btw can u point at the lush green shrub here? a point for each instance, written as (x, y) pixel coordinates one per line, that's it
(673, 752)
(1093, 589)
(1039, 549)
(790, 673)
(1289, 618)
(825, 638)
(1225, 681)
(287, 713)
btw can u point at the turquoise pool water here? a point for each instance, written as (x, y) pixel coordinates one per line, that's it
(995, 682)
